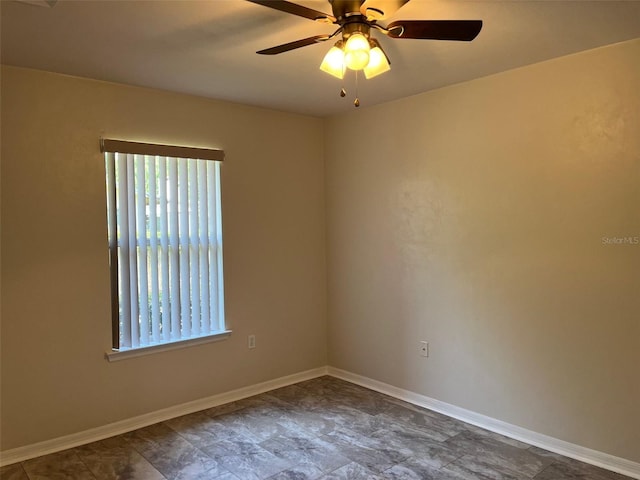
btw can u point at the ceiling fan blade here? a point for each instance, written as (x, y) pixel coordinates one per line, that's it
(462, 30)
(293, 45)
(381, 9)
(295, 9)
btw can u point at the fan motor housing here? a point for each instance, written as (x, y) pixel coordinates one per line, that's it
(357, 25)
(345, 8)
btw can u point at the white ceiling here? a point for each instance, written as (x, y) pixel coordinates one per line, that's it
(208, 47)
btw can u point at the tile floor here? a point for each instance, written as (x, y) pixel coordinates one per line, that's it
(323, 428)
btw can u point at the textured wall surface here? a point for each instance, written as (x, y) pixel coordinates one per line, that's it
(478, 217)
(55, 273)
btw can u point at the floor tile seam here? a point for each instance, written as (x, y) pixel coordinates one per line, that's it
(218, 467)
(375, 432)
(394, 446)
(17, 463)
(390, 468)
(271, 450)
(411, 429)
(214, 458)
(543, 470)
(359, 449)
(425, 435)
(206, 411)
(298, 425)
(132, 445)
(417, 457)
(515, 472)
(316, 408)
(77, 453)
(584, 468)
(545, 465)
(506, 469)
(374, 452)
(294, 465)
(193, 445)
(452, 461)
(74, 452)
(335, 469)
(280, 441)
(269, 394)
(25, 470)
(519, 450)
(6, 468)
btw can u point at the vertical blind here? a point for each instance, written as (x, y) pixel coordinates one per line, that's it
(165, 243)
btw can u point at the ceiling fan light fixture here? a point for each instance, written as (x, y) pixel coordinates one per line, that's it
(378, 63)
(356, 51)
(333, 62)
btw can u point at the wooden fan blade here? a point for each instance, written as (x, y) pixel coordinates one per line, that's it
(295, 9)
(381, 9)
(461, 30)
(293, 45)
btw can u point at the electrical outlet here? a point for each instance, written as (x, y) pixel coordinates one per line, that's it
(252, 341)
(424, 349)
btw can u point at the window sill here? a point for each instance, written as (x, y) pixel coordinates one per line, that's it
(117, 355)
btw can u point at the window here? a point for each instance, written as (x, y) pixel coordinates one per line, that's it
(165, 244)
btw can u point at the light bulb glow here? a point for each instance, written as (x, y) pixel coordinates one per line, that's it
(377, 63)
(356, 51)
(333, 62)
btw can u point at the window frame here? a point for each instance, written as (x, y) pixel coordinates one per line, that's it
(115, 147)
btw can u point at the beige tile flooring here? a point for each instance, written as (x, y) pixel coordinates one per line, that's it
(323, 428)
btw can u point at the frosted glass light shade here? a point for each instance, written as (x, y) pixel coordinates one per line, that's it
(378, 63)
(333, 62)
(356, 51)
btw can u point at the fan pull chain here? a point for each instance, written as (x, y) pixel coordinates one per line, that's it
(343, 92)
(356, 102)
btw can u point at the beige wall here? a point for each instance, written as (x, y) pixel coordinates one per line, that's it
(472, 217)
(55, 276)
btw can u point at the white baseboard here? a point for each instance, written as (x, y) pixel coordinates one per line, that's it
(20, 454)
(593, 457)
(604, 460)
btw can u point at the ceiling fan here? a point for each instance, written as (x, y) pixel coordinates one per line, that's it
(356, 49)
